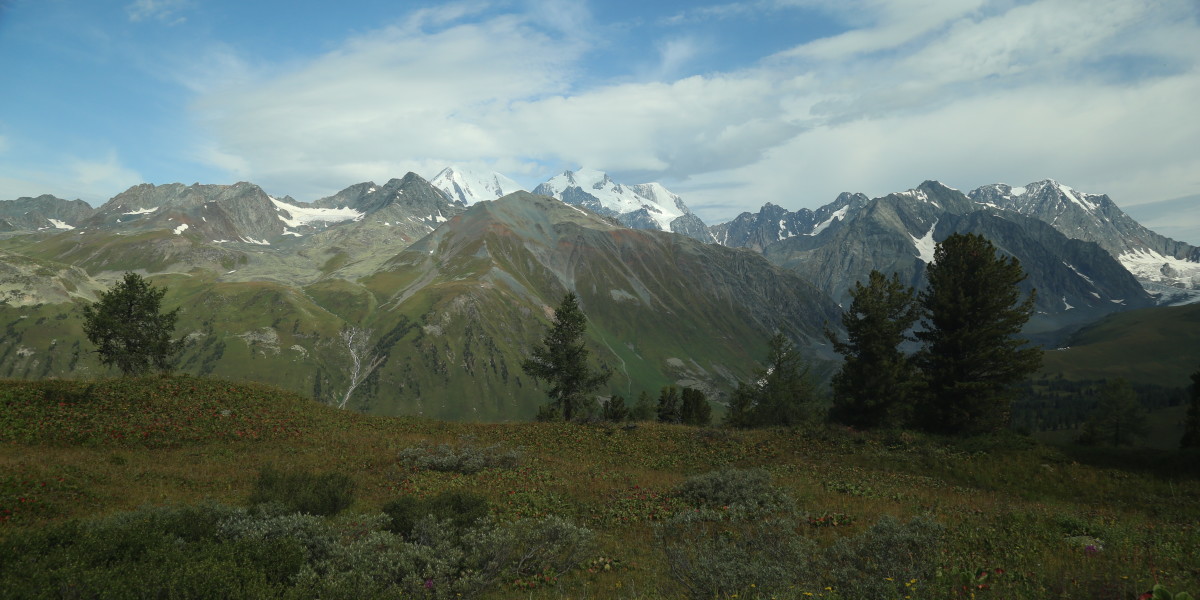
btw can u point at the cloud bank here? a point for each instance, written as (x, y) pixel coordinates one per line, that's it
(1099, 95)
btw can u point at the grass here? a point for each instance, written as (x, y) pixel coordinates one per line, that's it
(1022, 520)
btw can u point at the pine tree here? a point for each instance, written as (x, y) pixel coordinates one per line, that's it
(614, 410)
(129, 330)
(694, 408)
(1118, 419)
(876, 382)
(1191, 426)
(562, 361)
(643, 409)
(972, 313)
(782, 394)
(669, 405)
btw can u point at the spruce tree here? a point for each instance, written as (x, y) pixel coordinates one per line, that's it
(876, 382)
(694, 408)
(562, 361)
(669, 405)
(1191, 426)
(1118, 419)
(781, 394)
(972, 312)
(128, 328)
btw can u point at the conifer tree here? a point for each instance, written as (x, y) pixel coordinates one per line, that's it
(782, 394)
(562, 361)
(1191, 426)
(694, 408)
(669, 405)
(1118, 419)
(876, 382)
(614, 410)
(128, 328)
(972, 313)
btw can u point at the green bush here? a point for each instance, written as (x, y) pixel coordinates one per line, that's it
(460, 509)
(747, 488)
(878, 562)
(214, 551)
(300, 491)
(721, 553)
(465, 458)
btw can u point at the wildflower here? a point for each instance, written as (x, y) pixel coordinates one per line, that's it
(429, 584)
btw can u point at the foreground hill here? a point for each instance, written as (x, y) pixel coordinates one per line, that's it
(1004, 518)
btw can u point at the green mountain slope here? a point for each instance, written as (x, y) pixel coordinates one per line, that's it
(452, 315)
(1153, 345)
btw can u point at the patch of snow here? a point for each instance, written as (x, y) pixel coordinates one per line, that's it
(288, 232)
(1070, 194)
(823, 225)
(179, 230)
(1066, 305)
(1149, 265)
(142, 211)
(1095, 294)
(306, 215)
(59, 224)
(257, 242)
(1119, 301)
(371, 190)
(1084, 277)
(1018, 191)
(925, 245)
(469, 187)
(661, 204)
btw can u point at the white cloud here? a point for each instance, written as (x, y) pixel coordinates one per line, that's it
(160, 10)
(969, 92)
(92, 179)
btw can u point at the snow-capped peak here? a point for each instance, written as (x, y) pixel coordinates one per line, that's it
(596, 190)
(468, 186)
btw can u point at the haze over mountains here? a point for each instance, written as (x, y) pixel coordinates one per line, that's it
(456, 277)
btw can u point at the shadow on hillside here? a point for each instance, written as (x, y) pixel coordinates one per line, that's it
(1144, 461)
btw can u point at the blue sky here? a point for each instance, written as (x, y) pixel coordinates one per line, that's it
(730, 104)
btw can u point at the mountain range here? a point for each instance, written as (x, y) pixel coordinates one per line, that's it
(455, 278)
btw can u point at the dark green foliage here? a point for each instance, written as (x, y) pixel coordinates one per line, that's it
(461, 509)
(326, 494)
(875, 386)
(748, 489)
(668, 410)
(465, 457)
(717, 553)
(614, 410)
(971, 357)
(562, 361)
(643, 409)
(1191, 426)
(129, 330)
(879, 561)
(694, 408)
(1118, 419)
(213, 551)
(782, 394)
(722, 553)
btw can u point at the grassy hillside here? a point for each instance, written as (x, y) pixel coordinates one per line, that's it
(1153, 345)
(1020, 520)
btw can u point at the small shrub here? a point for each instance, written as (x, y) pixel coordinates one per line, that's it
(325, 494)
(460, 509)
(464, 458)
(879, 561)
(719, 553)
(748, 488)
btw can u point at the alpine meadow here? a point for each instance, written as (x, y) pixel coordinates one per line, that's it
(588, 299)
